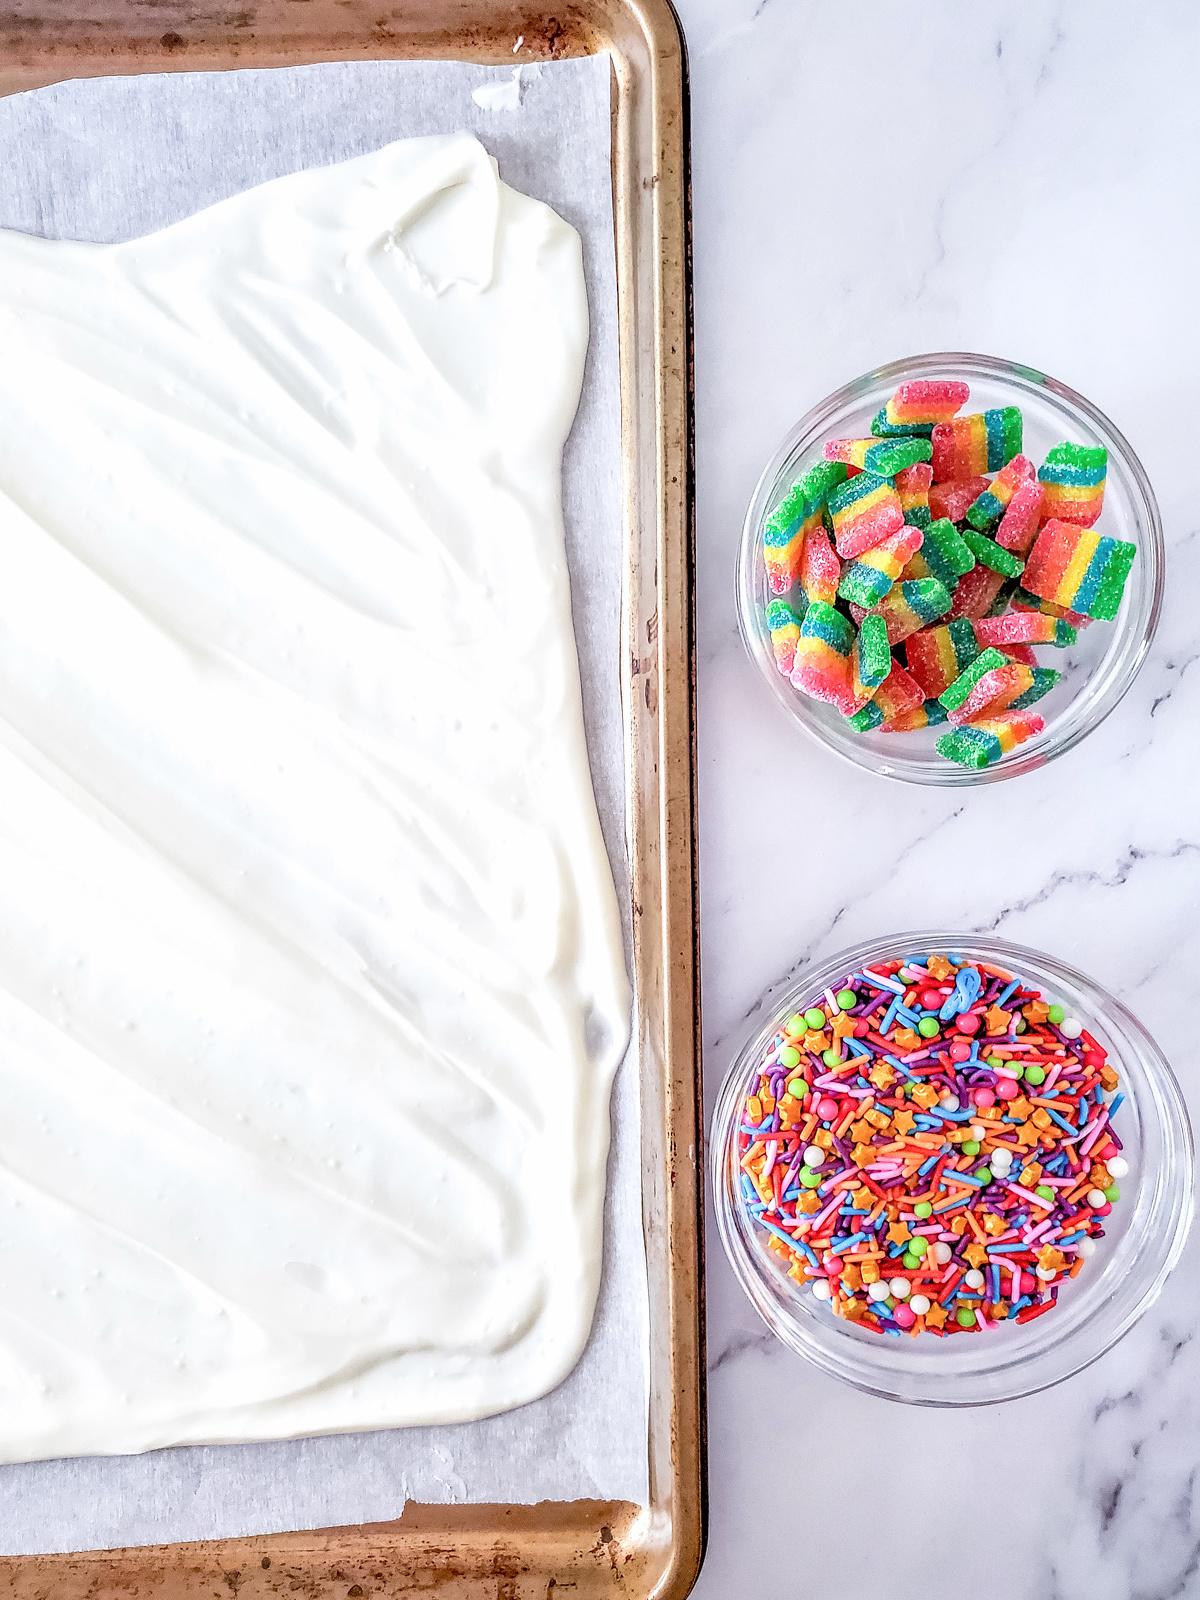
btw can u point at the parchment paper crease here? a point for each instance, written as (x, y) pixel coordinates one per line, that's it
(116, 158)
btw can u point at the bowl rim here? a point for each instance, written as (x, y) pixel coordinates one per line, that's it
(764, 1018)
(1152, 548)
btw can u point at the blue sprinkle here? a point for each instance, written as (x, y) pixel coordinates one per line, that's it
(1062, 1122)
(1012, 988)
(927, 1166)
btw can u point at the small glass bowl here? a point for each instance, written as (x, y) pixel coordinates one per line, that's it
(1143, 1239)
(1097, 670)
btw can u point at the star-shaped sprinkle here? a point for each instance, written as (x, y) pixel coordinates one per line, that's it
(898, 1233)
(976, 1254)
(935, 1317)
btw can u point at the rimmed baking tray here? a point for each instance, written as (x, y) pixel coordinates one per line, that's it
(587, 1547)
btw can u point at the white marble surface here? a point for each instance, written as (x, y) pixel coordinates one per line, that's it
(872, 181)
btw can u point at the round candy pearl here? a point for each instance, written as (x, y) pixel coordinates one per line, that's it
(931, 999)
(965, 1318)
(968, 1023)
(789, 1057)
(831, 1057)
(796, 1025)
(810, 1179)
(904, 1317)
(1118, 1166)
(1044, 1192)
(1096, 1198)
(846, 999)
(960, 1051)
(1071, 1027)
(878, 1291)
(984, 1174)
(821, 1290)
(814, 1156)
(948, 1101)
(918, 1246)
(943, 1253)
(861, 1028)
(1086, 1248)
(832, 1263)
(974, 1279)
(970, 1147)
(1047, 1274)
(928, 1028)
(814, 1017)
(1007, 1088)
(923, 1209)
(797, 1088)
(827, 1109)
(900, 1288)
(1034, 1074)
(1057, 1016)
(920, 1304)
(984, 1098)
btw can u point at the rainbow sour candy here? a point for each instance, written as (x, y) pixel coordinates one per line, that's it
(946, 554)
(936, 656)
(912, 485)
(784, 626)
(1078, 568)
(910, 605)
(820, 569)
(927, 716)
(1019, 524)
(871, 658)
(797, 515)
(1013, 685)
(992, 555)
(895, 697)
(918, 405)
(954, 500)
(821, 663)
(962, 687)
(1072, 479)
(979, 744)
(975, 595)
(928, 1146)
(864, 511)
(884, 457)
(983, 442)
(985, 512)
(866, 580)
(1024, 627)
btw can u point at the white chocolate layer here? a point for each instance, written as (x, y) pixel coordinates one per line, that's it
(311, 977)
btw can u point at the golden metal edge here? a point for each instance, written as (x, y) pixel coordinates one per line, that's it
(590, 1547)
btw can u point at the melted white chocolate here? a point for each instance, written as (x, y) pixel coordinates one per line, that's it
(311, 977)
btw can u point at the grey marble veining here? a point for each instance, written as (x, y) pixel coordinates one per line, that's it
(870, 182)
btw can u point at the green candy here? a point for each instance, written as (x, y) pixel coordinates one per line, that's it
(810, 1179)
(923, 1209)
(909, 1260)
(992, 555)
(798, 1089)
(789, 1057)
(1113, 1193)
(965, 1318)
(1044, 1192)
(831, 1057)
(1034, 1075)
(846, 999)
(960, 689)
(796, 1025)
(918, 1246)
(874, 659)
(970, 1147)
(928, 1028)
(984, 1174)
(1057, 1015)
(814, 1018)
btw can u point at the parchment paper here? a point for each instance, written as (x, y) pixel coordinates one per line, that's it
(116, 158)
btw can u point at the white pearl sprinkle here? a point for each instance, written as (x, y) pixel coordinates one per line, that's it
(1086, 1248)
(920, 1304)
(1070, 1027)
(1118, 1166)
(974, 1279)
(821, 1289)
(878, 1291)
(943, 1253)
(901, 1288)
(814, 1156)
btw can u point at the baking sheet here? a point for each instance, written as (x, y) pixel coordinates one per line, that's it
(116, 158)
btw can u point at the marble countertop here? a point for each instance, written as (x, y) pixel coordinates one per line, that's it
(871, 182)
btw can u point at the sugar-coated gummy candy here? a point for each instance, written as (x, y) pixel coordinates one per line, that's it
(946, 554)
(884, 457)
(998, 689)
(928, 715)
(784, 625)
(957, 692)
(1044, 679)
(821, 664)
(975, 594)
(1024, 601)
(874, 652)
(981, 743)
(1019, 524)
(1078, 568)
(965, 447)
(987, 511)
(992, 554)
(863, 510)
(954, 500)
(1073, 478)
(897, 696)
(936, 656)
(912, 485)
(1024, 627)
(868, 578)
(820, 570)
(1019, 652)
(798, 514)
(910, 605)
(926, 401)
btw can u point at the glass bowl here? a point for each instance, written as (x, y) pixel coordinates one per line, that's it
(1096, 671)
(1144, 1234)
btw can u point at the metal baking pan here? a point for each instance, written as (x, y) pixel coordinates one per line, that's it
(587, 1547)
